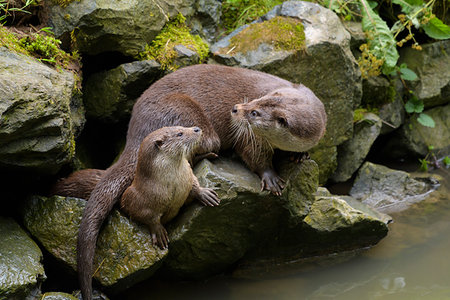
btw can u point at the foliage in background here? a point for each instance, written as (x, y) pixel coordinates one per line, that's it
(236, 13)
(7, 10)
(174, 33)
(282, 33)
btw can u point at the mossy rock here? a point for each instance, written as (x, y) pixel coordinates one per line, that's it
(21, 269)
(124, 256)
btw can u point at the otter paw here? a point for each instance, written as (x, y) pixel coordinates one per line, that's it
(209, 155)
(272, 182)
(159, 236)
(299, 157)
(208, 197)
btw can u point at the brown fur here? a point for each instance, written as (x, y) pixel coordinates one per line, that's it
(214, 90)
(78, 184)
(164, 180)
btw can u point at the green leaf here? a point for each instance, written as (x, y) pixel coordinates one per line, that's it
(446, 161)
(372, 4)
(426, 120)
(409, 6)
(407, 74)
(382, 43)
(424, 165)
(414, 105)
(436, 29)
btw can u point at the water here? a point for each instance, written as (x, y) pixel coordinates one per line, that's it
(412, 262)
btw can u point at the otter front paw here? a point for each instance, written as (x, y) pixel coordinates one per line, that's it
(272, 182)
(159, 236)
(208, 197)
(299, 157)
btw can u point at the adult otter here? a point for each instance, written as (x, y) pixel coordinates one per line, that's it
(214, 90)
(164, 180)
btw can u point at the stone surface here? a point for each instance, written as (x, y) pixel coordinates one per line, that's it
(57, 296)
(124, 252)
(351, 153)
(208, 240)
(206, 20)
(326, 158)
(358, 37)
(432, 66)
(326, 66)
(40, 114)
(124, 26)
(376, 91)
(110, 95)
(393, 113)
(413, 139)
(21, 270)
(390, 190)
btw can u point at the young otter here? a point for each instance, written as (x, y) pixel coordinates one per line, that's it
(164, 180)
(297, 114)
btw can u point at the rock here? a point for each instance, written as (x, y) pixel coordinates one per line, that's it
(41, 113)
(124, 252)
(358, 37)
(185, 56)
(206, 20)
(415, 139)
(325, 65)
(351, 153)
(113, 26)
(389, 190)
(21, 269)
(326, 158)
(57, 296)
(432, 66)
(377, 91)
(110, 95)
(393, 113)
(209, 240)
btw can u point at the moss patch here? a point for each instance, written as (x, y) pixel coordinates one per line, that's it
(283, 33)
(174, 33)
(64, 3)
(236, 13)
(359, 113)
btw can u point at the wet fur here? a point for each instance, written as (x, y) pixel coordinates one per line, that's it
(212, 92)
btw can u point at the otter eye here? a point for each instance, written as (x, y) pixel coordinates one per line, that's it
(254, 113)
(179, 134)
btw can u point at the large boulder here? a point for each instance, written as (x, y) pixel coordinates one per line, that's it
(110, 95)
(98, 26)
(352, 153)
(21, 269)
(390, 190)
(432, 67)
(324, 63)
(414, 139)
(41, 112)
(124, 255)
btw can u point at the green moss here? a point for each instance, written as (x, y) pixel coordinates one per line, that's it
(43, 47)
(359, 113)
(281, 32)
(64, 3)
(174, 33)
(236, 13)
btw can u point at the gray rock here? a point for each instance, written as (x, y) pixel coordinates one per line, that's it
(110, 95)
(206, 20)
(185, 57)
(326, 158)
(393, 113)
(389, 190)
(21, 269)
(358, 37)
(326, 66)
(208, 240)
(432, 65)
(376, 91)
(57, 296)
(351, 153)
(124, 255)
(41, 113)
(414, 139)
(123, 26)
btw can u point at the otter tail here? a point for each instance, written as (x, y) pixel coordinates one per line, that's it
(79, 184)
(106, 193)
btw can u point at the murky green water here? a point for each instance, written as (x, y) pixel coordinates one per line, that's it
(412, 262)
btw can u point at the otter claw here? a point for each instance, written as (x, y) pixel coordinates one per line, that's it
(160, 237)
(209, 197)
(272, 182)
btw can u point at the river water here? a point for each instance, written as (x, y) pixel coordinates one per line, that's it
(412, 262)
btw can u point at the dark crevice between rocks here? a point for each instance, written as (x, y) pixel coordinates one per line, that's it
(102, 62)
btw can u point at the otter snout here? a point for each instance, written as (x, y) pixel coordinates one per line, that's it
(235, 109)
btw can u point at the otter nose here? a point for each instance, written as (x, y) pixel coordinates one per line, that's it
(196, 129)
(234, 110)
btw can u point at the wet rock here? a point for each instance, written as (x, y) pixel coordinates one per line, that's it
(352, 153)
(110, 95)
(432, 66)
(209, 240)
(124, 255)
(414, 139)
(21, 270)
(325, 65)
(41, 113)
(57, 296)
(113, 26)
(389, 190)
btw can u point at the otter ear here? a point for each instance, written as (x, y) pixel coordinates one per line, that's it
(281, 119)
(158, 143)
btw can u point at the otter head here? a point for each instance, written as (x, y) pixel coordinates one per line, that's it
(290, 119)
(176, 141)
